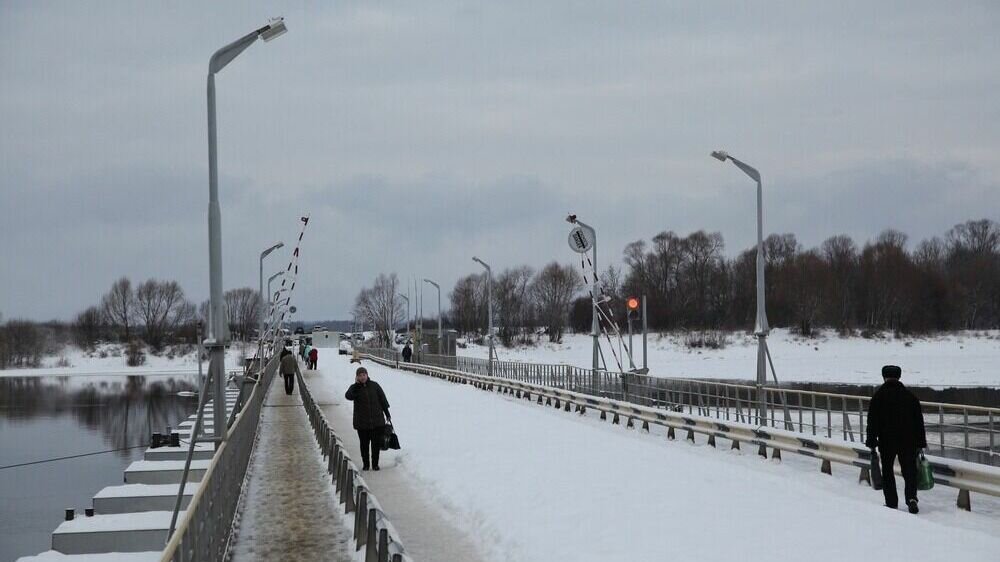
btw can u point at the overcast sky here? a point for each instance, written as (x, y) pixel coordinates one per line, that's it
(419, 134)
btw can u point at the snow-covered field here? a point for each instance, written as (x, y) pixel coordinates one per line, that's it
(77, 362)
(534, 483)
(966, 359)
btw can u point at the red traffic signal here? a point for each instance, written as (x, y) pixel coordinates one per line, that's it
(632, 303)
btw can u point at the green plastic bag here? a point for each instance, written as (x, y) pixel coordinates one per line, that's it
(925, 473)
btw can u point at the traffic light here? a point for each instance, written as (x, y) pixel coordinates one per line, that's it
(632, 303)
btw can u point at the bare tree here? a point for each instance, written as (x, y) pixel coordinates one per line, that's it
(161, 307)
(511, 309)
(380, 305)
(468, 302)
(553, 290)
(24, 344)
(118, 306)
(242, 306)
(88, 327)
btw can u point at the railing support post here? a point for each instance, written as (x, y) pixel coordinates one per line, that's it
(371, 555)
(964, 500)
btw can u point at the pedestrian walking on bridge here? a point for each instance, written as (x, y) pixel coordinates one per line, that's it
(313, 358)
(288, 367)
(896, 427)
(371, 410)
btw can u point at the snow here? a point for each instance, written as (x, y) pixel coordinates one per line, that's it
(56, 556)
(431, 533)
(144, 490)
(138, 521)
(962, 359)
(535, 483)
(91, 364)
(154, 466)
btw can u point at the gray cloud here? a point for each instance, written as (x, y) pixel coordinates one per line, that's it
(419, 134)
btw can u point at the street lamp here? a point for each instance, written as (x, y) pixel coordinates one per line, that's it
(760, 325)
(260, 290)
(594, 321)
(489, 311)
(438, 287)
(217, 341)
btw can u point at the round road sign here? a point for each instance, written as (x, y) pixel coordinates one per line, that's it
(580, 240)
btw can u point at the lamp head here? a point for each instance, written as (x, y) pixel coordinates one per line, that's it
(720, 155)
(571, 219)
(273, 29)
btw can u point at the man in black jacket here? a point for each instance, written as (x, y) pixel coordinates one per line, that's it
(371, 410)
(896, 427)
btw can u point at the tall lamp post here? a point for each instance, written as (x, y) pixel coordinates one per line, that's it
(271, 300)
(594, 321)
(217, 340)
(440, 344)
(760, 325)
(489, 312)
(260, 290)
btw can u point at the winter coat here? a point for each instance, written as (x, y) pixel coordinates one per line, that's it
(407, 353)
(289, 365)
(313, 355)
(370, 405)
(895, 420)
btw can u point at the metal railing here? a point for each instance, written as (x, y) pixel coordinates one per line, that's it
(958, 431)
(964, 476)
(204, 532)
(372, 529)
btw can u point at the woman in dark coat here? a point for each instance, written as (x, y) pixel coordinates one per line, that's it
(371, 411)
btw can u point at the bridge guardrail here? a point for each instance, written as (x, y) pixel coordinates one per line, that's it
(959, 431)
(965, 476)
(372, 529)
(204, 532)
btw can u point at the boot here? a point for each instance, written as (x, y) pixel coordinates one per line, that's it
(375, 451)
(364, 459)
(912, 506)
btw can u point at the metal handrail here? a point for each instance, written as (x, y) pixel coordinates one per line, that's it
(372, 529)
(965, 476)
(206, 528)
(967, 432)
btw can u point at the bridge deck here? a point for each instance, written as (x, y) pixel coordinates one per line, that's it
(289, 512)
(422, 521)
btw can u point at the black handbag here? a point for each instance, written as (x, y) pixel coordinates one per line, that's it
(876, 471)
(389, 438)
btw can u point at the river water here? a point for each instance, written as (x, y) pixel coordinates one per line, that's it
(47, 417)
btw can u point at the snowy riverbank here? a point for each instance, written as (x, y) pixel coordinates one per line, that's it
(962, 359)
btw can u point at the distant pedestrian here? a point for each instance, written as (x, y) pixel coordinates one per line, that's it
(313, 358)
(371, 411)
(288, 367)
(407, 352)
(896, 427)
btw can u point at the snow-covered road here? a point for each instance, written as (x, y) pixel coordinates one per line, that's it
(533, 483)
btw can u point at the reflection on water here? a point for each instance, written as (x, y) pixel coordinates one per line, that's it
(46, 417)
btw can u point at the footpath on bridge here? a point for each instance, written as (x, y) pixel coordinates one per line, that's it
(424, 529)
(289, 512)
